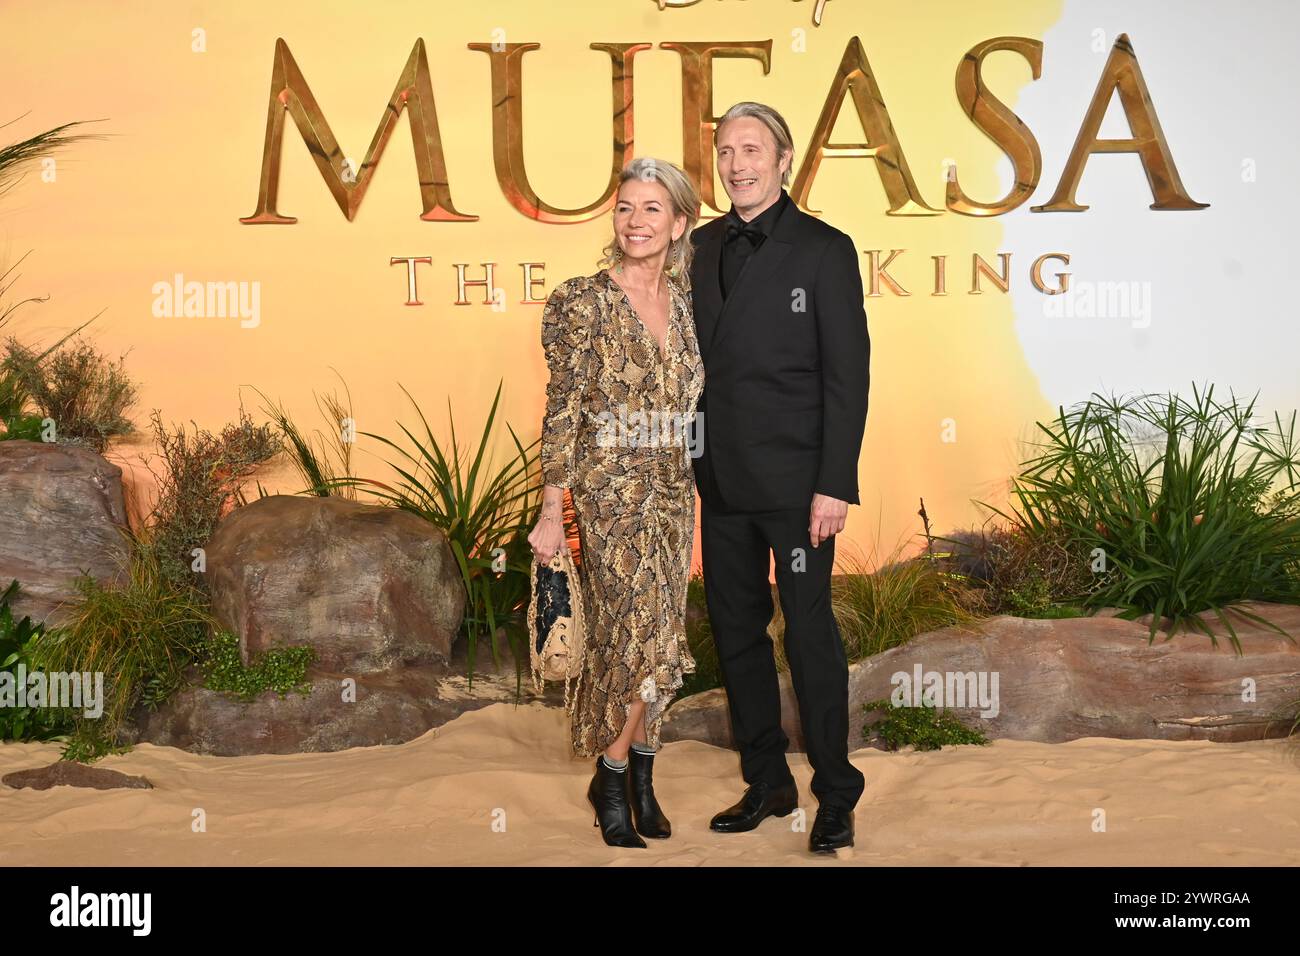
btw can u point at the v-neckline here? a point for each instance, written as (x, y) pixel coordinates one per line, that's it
(672, 309)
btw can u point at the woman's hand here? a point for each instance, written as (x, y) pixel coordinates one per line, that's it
(547, 537)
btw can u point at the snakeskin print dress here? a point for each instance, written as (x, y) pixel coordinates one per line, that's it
(612, 434)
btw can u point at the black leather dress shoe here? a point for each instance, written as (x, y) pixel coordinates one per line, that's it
(760, 800)
(832, 830)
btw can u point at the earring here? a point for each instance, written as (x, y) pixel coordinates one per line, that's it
(618, 259)
(672, 261)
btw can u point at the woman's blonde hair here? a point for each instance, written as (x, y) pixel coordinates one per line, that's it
(685, 202)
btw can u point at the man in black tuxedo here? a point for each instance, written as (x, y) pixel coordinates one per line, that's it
(783, 335)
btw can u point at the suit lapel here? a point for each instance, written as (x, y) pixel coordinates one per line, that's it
(708, 292)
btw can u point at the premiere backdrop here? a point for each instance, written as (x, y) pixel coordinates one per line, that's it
(1158, 298)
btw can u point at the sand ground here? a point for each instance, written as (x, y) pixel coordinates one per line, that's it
(496, 787)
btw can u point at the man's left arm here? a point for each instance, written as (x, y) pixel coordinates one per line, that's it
(845, 350)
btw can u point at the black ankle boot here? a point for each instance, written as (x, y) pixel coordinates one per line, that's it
(608, 795)
(646, 814)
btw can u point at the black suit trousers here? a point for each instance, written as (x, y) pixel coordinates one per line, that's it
(736, 547)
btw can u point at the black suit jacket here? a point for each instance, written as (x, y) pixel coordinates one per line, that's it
(786, 367)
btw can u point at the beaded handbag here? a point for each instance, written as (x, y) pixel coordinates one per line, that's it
(555, 622)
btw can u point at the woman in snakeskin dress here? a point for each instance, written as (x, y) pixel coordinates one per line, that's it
(618, 432)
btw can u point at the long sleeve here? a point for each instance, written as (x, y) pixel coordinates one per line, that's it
(845, 349)
(566, 340)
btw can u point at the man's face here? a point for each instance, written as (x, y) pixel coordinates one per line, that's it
(749, 166)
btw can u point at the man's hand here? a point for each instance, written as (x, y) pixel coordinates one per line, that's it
(826, 517)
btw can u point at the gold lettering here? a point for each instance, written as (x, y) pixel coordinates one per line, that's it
(1036, 273)
(508, 129)
(854, 76)
(940, 275)
(1148, 140)
(531, 282)
(290, 94)
(412, 295)
(996, 121)
(980, 267)
(698, 121)
(488, 284)
(880, 271)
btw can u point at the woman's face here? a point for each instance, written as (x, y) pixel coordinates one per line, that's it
(644, 224)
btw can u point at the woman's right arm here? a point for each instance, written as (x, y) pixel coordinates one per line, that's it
(566, 340)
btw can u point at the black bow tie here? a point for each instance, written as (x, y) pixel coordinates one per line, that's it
(754, 235)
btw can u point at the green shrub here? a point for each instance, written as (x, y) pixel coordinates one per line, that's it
(1191, 506)
(1028, 575)
(24, 427)
(16, 641)
(87, 743)
(17, 419)
(141, 635)
(923, 727)
(82, 391)
(200, 482)
(279, 669)
(323, 461)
